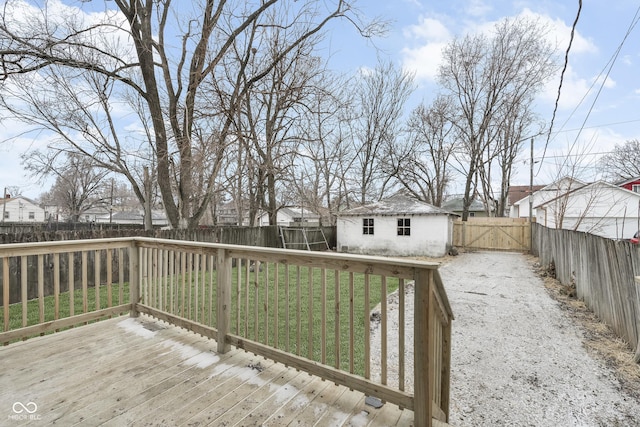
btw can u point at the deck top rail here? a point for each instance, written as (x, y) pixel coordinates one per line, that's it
(308, 310)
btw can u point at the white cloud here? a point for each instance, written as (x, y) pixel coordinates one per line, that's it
(429, 36)
(425, 40)
(423, 61)
(428, 29)
(478, 8)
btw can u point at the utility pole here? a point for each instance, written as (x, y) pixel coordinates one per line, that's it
(111, 204)
(4, 203)
(531, 184)
(531, 199)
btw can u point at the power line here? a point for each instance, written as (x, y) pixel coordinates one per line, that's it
(612, 61)
(564, 69)
(595, 126)
(609, 64)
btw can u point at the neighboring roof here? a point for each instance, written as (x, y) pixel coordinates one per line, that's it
(587, 187)
(296, 211)
(456, 205)
(11, 199)
(136, 215)
(628, 181)
(519, 192)
(564, 183)
(560, 187)
(397, 205)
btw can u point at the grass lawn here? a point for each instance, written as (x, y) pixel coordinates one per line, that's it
(262, 301)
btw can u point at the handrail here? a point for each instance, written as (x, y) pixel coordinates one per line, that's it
(308, 310)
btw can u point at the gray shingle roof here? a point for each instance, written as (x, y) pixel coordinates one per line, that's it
(396, 205)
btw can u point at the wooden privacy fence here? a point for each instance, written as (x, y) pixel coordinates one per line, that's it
(504, 234)
(307, 310)
(603, 271)
(266, 236)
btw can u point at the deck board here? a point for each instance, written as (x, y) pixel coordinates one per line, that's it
(143, 372)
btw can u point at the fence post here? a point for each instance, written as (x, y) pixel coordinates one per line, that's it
(223, 266)
(422, 375)
(636, 358)
(134, 278)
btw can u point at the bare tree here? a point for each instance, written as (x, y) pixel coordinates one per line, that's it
(421, 162)
(622, 162)
(161, 54)
(380, 96)
(79, 186)
(325, 151)
(271, 111)
(488, 78)
(78, 108)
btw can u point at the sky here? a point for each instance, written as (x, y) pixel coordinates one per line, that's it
(599, 106)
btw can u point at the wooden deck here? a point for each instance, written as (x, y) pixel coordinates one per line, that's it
(126, 371)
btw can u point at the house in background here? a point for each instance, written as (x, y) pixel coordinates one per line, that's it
(158, 218)
(21, 209)
(454, 205)
(599, 208)
(291, 216)
(517, 193)
(520, 208)
(397, 226)
(632, 184)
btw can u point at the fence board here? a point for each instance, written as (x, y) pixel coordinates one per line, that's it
(603, 271)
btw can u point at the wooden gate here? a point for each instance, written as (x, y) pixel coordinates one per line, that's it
(502, 234)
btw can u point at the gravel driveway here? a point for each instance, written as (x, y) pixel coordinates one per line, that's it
(517, 358)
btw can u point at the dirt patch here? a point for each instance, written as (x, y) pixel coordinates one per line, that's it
(599, 339)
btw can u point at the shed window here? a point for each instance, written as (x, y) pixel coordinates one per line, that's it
(32, 215)
(6, 215)
(367, 225)
(404, 226)
(636, 188)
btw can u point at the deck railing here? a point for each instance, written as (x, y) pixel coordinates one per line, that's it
(308, 310)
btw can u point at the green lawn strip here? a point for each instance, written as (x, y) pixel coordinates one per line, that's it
(33, 312)
(262, 285)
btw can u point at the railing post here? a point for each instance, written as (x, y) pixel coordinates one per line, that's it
(422, 374)
(223, 267)
(135, 274)
(446, 368)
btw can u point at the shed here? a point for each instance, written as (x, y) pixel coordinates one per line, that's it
(396, 226)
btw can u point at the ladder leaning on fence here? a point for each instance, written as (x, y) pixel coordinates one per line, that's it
(305, 232)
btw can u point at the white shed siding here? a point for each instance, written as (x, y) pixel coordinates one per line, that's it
(431, 235)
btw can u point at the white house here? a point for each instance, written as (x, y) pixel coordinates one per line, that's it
(599, 208)
(399, 226)
(291, 216)
(21, 209)
(520, 208)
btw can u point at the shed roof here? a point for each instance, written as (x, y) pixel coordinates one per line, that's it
(397, 205)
